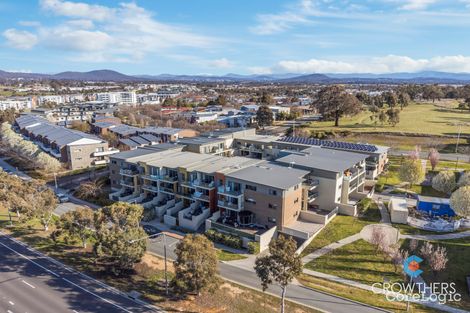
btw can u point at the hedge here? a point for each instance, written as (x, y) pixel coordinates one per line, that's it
(225, 239)
(253, 247)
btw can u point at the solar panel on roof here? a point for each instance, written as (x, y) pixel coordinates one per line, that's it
(330, 144)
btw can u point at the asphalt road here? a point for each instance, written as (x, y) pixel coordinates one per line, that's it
(296, 293)
(33, 283)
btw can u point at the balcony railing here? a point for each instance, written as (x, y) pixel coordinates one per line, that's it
(128, 172)
(150, 188)
(106, 152)
(312, 196)
(100, 162)
(151, 177)
(232, 230)
(168, 179)
(166, 190)
(230, 206)
(226, 191)
(200, 184)
(127, 183)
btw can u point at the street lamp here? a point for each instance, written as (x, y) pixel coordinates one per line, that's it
(164, 235)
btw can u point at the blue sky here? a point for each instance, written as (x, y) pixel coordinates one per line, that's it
(245, 36)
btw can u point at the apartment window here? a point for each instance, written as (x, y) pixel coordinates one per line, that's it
(100, 149)
(296, 200)
(271, 220)
(296, 187)
(272, 206)
(273, 192)
(114, 162)
(113, 172)
(250, 187)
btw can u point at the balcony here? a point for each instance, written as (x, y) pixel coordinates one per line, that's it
(167, 190)
(311, 184)
(129, 172)
(230, 206)
(127, 183)
(168, 179)
(227, 191)
(199, 184)
(312, 196)
(100, 162)
(200, 196)
(152, 177)
(106, 152)
(150, 188)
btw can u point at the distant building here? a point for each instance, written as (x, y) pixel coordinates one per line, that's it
(16, 104)
(77, 149)
(121, 97)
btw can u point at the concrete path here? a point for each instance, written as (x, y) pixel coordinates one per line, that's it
(438, 237)
(327, 249)
(391, 234)
(385, 215)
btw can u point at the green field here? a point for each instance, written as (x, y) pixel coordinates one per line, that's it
(420, 118)
(341, 227)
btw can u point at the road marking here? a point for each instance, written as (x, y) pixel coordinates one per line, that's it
(25, 257)
(8, 311)
(94, 294)
(28, 284)
(11, 302)
(74, 311)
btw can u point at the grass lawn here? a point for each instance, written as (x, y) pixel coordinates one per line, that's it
(422, 118)
(225, 255)
(341, 227)
(360, 295)
(358, 261)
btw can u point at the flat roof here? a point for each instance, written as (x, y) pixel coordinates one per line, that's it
(199, 140)
(398, 204)
(433, 199)
(323, 159)
(270, 174)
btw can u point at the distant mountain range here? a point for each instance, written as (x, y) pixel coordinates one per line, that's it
(426, 77)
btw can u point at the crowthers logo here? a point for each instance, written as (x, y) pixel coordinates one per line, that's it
(411, 266)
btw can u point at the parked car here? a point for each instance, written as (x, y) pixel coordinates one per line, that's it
(151, 230)
(62, 198)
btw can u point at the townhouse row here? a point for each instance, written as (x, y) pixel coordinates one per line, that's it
(74, 148)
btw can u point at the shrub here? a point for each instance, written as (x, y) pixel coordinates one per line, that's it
(379, 187)
(225, 239)
(253, 247)
(149, 215)
(364, 204)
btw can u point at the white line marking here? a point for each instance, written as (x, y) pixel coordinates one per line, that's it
(25, 257)
(11, 303)
(24, 282)
(9, 311)
(75, 311)
(94, 294)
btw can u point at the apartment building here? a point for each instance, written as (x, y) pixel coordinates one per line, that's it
(16, 104)
(69, 113)
(337, 177)
(375, 162)
(248, 197)
(121, 97)
(76, 149)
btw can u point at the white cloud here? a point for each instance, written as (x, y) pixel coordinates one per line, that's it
(417, 4)
(275, 23)
(386, 64)
(20, 39)
(260, 70)
(221, 63)
(77, 9)
(125, 33)
(29, 23)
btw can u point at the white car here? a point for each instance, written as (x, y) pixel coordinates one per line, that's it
(62, 198)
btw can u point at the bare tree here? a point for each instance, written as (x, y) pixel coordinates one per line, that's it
(398, 256)
(413, 245)
(433, 157)
(378, 238)
(426, 250)
(438, 260)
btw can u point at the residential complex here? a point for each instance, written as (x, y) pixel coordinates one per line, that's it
(122, 97)
(76, 149)
(241, 183)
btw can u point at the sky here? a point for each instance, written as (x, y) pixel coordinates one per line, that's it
(245, 36)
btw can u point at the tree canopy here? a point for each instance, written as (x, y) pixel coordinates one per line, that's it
(333, 102)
